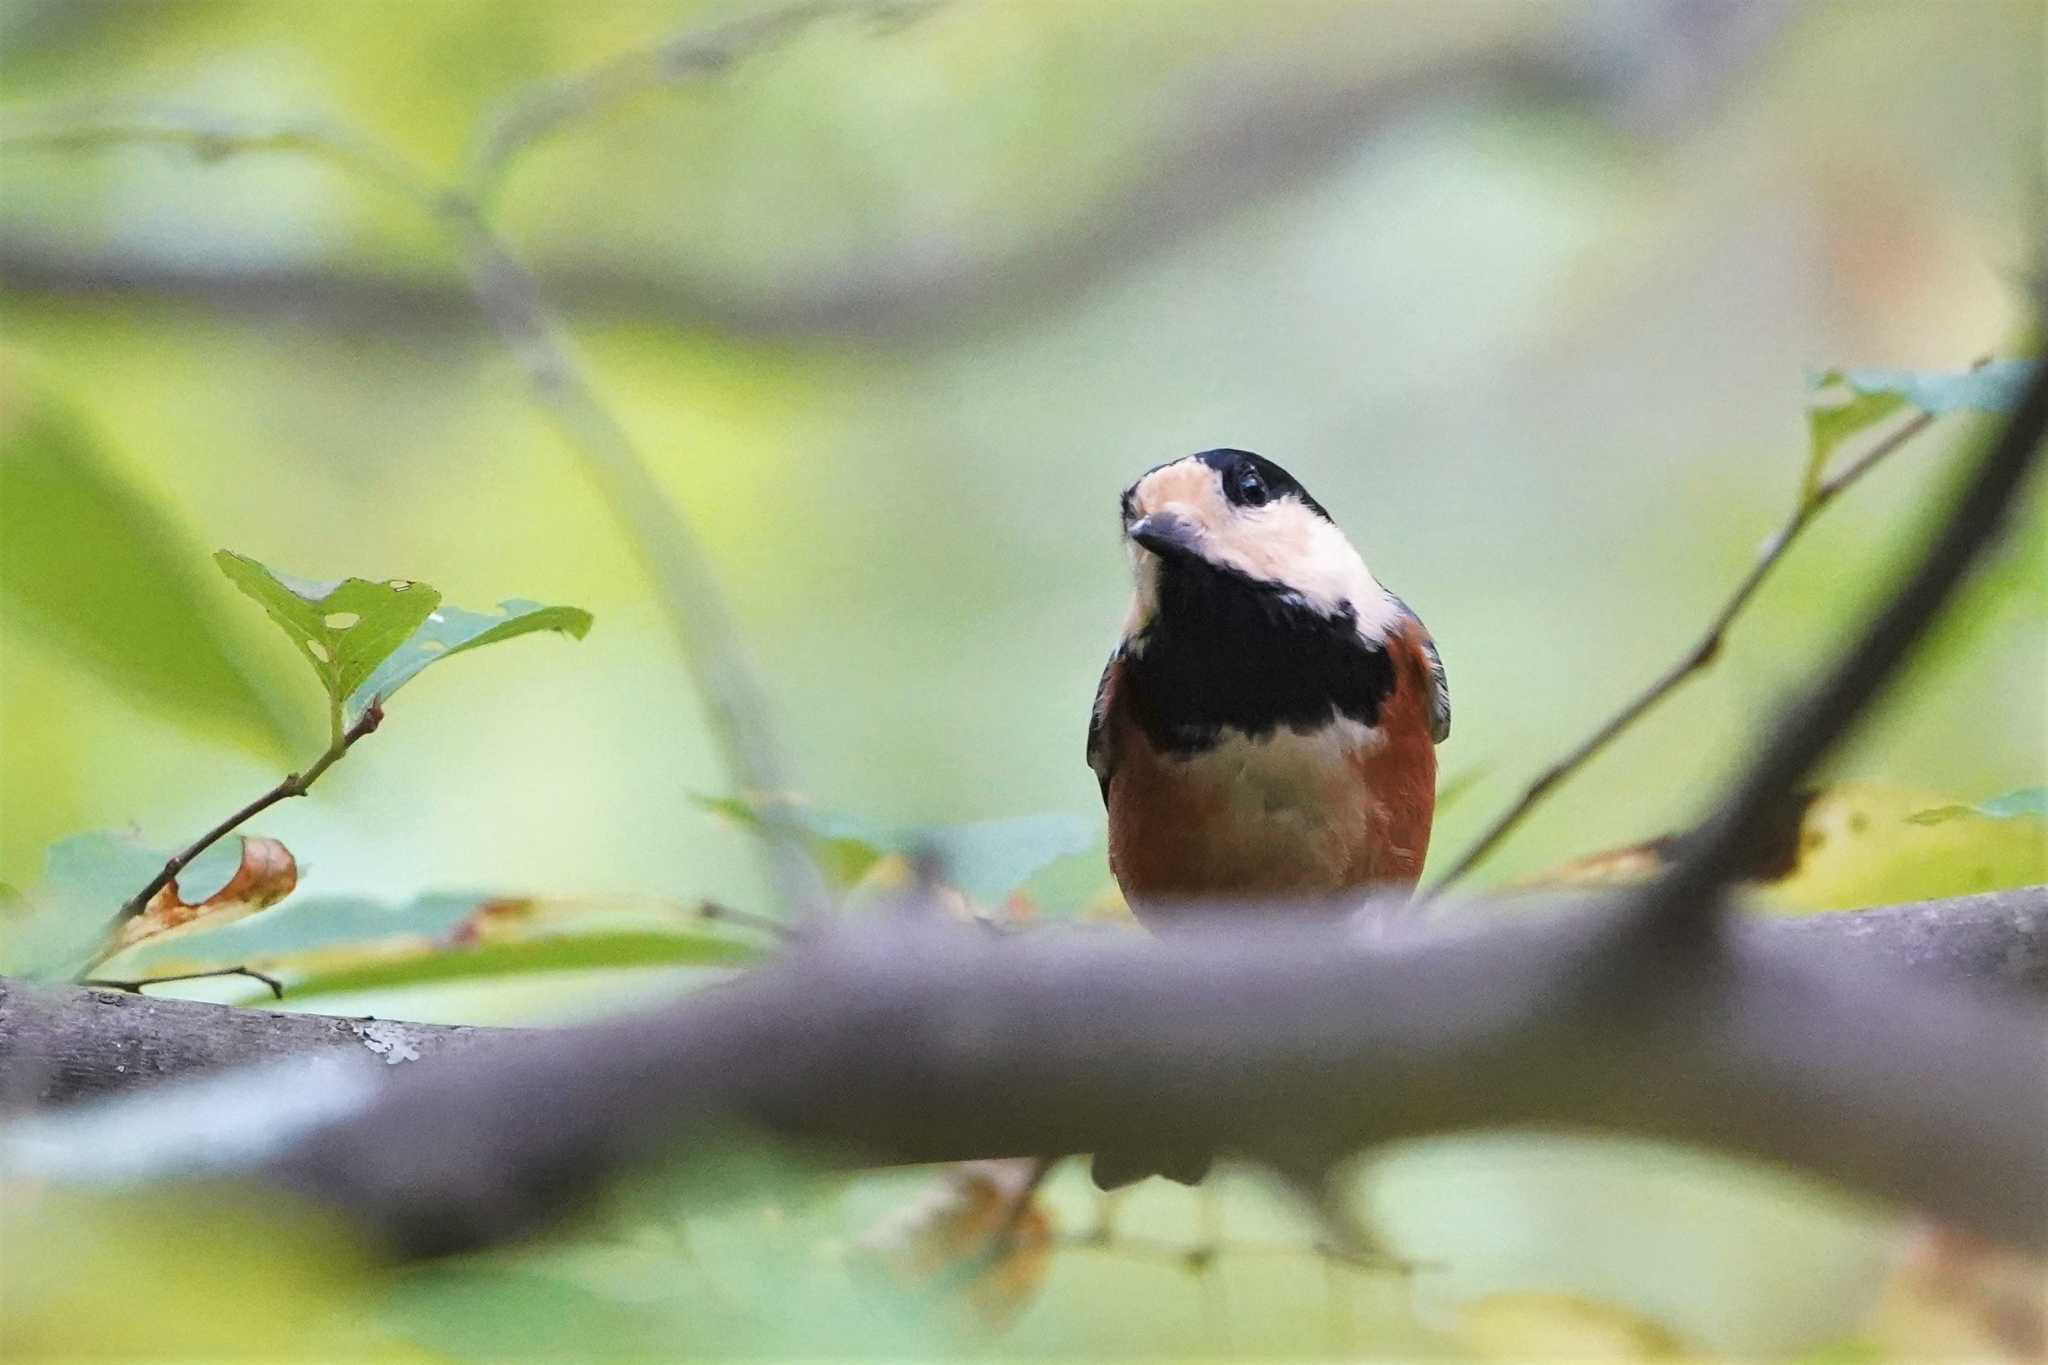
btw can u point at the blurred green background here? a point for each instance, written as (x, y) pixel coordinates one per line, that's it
(1524, 292)
(1538, 344)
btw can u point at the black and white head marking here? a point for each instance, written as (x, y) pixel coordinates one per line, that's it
(1253, 613)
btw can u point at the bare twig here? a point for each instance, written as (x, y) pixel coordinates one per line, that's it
(729, 914)
(211, 136)
(1703, 652)
(702, 53)
(1683, 902)
(296, 784)
(683, 577)
(1238, 131)
(135, 987)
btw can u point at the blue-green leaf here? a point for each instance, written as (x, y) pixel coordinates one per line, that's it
(1847, 402)
(987, 859)
(86, 880)
(1993, 387)
(451, 630)
(2028, 801)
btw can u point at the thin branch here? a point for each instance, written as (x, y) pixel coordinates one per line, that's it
(547, 108)
(295, 784)
(722, 913)
(510, 298)
(1703, 652)
(212, 136)
(135, 987)
(1238, 131)
(918, 1042)
(683, 578)
(1683, 901)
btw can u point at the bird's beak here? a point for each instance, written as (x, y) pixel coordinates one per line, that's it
(1164, 533)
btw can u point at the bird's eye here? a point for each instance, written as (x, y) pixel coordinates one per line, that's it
(1250, 488)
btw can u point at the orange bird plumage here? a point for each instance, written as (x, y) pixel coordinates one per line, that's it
(1266, 728)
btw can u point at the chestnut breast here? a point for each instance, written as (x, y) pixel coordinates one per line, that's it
(1310, 812)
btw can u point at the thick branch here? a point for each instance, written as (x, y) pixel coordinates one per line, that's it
(60, 1043)
(63, 1043)
(914, 1043)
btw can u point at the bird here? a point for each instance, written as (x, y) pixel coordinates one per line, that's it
(1265, 730)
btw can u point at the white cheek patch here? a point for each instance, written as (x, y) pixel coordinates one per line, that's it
(1144, 596)
(1283, 543)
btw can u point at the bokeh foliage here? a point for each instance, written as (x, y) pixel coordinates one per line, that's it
(1541, 355)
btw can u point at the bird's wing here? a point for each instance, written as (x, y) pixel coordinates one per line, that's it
(1439, 687)
(1101, 742)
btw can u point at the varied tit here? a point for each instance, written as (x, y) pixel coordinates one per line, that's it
(1265, 729)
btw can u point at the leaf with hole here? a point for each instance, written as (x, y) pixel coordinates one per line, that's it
(449, 630)
(265, 873)
(368, 639)
(344, 628)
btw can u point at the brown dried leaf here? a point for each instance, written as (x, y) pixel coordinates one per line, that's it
(947, 1242)
(267, 874)
(1955, 1295)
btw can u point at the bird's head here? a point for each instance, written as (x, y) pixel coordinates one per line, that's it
(1229, 520)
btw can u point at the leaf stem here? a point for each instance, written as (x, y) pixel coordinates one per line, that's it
(294, 784)
(135, 987)
(1703, 652)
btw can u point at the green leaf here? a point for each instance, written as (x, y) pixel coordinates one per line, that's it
(1873, 395)
(2028, 801)
(570, 952)
(1829, 423)
(843, 849)
(451, 630)
(368, 639)
(987, 859)
(86, 879)
(347, 943)
(1861, 843)
(345, 629)
(97, 568)
(309, 927)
